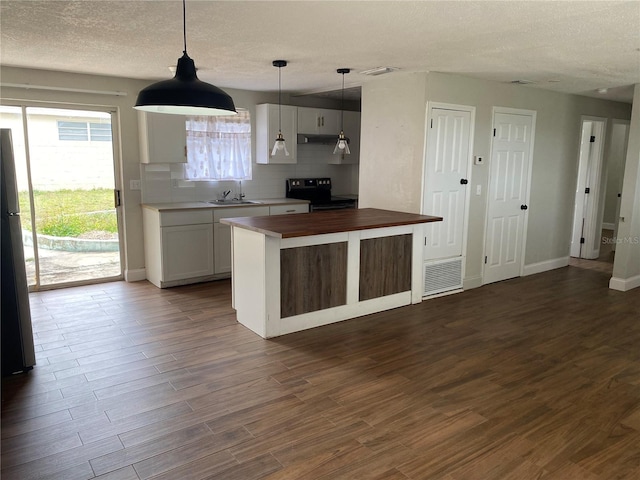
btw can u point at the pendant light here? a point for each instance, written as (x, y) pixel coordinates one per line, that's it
(185, 94)
(342, 147)
(279, 147)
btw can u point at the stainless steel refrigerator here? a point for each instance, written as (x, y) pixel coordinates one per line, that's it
(18, 353)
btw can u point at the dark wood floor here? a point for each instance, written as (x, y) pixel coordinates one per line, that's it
(533, 378)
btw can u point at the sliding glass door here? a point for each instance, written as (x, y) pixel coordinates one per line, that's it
(66, 181)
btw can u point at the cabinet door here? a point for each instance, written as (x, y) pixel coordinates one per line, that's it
(308, 120)
(329, 122)
(187, 252)
(319, 121)
(267, 127)
(352, 132)
(163, 138)
(286, 209)
(222, 247)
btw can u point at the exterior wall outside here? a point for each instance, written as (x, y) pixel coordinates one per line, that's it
(60, 164)
(554, 162)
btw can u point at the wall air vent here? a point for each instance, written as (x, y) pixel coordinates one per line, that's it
(442, 275)
(379, 70)
(522, 82)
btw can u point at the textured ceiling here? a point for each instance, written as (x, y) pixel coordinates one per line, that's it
(573, 46)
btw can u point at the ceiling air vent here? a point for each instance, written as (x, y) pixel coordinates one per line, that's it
(379, 70)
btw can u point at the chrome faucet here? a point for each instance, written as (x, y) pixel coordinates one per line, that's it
(240, 196)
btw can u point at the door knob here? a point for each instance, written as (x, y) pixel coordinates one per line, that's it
(523, 207)
(463, 181)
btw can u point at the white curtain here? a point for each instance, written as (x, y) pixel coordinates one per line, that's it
(219, 148)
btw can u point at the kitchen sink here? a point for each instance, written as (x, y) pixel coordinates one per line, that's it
(234, 202)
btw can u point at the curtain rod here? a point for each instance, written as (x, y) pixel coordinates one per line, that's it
(28, 86)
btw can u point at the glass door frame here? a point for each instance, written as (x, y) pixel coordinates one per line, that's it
(117, 182)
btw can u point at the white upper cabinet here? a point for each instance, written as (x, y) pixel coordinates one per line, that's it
(267, 126)
(352, 132)
(163, 138)
(319, 121)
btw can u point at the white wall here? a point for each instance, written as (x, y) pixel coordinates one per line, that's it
(127, 130)
(397, 104)
(626, 267)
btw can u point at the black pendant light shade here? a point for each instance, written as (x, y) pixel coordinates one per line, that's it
(185, 94)
(342, 146)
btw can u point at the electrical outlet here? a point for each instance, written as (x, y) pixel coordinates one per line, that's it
(135, 185)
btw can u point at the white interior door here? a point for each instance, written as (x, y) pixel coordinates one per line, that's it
(508, 195)
(446, 181)
(585, 236)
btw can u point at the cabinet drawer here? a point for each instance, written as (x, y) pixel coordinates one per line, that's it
(226, 212)
(284, 209)
(185, 217)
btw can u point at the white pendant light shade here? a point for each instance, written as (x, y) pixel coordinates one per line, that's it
(342, 145)
(279, 146)
(185, 94)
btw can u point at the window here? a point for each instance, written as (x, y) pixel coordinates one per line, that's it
(84, 131)
(219, 148)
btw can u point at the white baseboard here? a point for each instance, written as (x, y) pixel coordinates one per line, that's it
(471, 282)
(624, 284)
(135, 275)
(608, 226)
(545, 266)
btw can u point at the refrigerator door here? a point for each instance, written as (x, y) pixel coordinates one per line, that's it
(18, 352)
(9, 184)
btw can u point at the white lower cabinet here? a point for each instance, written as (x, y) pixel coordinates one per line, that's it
(187, 252)
(222, 233)
(178, 246)
(222, 247)
(190, 246)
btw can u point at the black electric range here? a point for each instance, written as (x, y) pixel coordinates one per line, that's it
(318, 192)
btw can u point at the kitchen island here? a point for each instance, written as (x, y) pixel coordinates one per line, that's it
(294, 272)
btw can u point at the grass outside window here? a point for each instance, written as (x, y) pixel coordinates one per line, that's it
(71, 213)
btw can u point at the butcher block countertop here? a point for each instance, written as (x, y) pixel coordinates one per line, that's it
(327, 221)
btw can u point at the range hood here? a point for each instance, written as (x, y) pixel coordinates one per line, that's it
(318, 139)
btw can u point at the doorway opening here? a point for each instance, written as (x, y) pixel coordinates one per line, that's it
(65, 169)
(585, 236)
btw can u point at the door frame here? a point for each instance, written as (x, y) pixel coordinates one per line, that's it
(117, 177)
(593, 215)
(472, 129)
(615, 122)
(525, 222)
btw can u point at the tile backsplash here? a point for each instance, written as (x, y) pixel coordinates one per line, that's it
(162, 183)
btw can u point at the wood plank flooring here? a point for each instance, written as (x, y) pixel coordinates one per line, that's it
(532, 378)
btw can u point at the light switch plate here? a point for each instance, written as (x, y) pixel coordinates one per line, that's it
(135, 184)
(478, 160)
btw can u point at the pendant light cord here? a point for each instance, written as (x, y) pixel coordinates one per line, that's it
(342, 106)
(184, 25)
(279, 100)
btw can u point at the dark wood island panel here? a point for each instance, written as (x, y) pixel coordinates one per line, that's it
(312, 278)
(385, 266)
